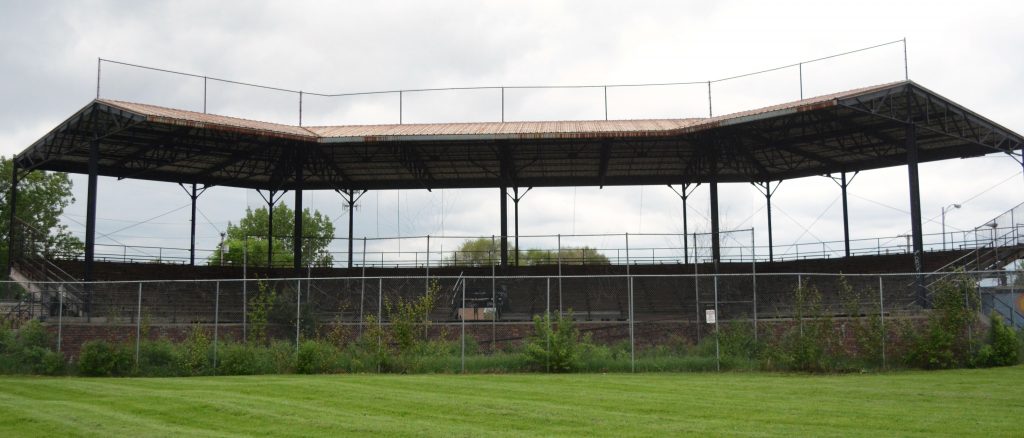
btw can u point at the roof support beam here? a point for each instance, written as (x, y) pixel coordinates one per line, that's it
(684, 193)
(716, 250)
(90, 222)
(915, 211)
(13, 227)
(351, 197)
(194, 196)
(766, 189)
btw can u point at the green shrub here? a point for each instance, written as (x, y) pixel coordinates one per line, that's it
(603, 358)
(811, 343)
(158, 359)
(102, 358)
(280, 357)
(410, 318)
(195, 356)
(39, 360)
(944, 342)
(1020, 344)
(33, 334)
(28, 350)
(737, 341)
(867, 330)
(316, 357)
(6, 338)
(235, 359)
(371, 352)
(260, 306)
(1003, 348)
(554, 346)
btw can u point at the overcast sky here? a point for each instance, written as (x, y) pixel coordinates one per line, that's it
(966, 51)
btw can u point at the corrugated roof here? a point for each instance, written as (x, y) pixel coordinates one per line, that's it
(496, 130)
(478, 130)
(172, 116)
(853, 130)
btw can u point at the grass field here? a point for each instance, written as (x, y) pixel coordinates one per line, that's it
(963, 402)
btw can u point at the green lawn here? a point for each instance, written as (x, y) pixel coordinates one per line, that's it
(964, 402)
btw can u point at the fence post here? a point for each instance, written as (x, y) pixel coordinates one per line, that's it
(753, 269)
(547, 315)
(60, 317)
(245, 285)
(426, 289)
(138, 326)
(298, 310)
(800, 66)
(362, 288)
(632, 337)
(558, 255)
(970, 328)
(718, 359)
(494, 301)
(696, 293)
(881, 317)
(799, 285)
(216, 325)
(380, 310)
(463, 318)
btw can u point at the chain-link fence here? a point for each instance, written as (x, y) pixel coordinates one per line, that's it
(636, 313)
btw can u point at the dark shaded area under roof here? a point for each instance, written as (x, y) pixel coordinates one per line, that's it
(850, 131)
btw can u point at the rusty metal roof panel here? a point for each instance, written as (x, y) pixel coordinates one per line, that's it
(501, 130)
(172, 116)
(569, 129)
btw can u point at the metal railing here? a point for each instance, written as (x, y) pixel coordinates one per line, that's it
(400, 94)
(601, 249)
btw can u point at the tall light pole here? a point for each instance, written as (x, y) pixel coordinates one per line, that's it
(944, 223)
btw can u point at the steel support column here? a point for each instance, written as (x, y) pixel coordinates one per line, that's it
(686, 249)
(13, 227)
(684, 194)
(351, 197)
(846, 215)
(351, 225)
(297, 231)
(844, 183)
(915, 209)
(766, 189)
(192, 229)
(271, 199)
(270, 230)
(716, 250)
(193, 195)
(504, 225)
(771, 232)
(516, 197)
(90, 212)
(515, 208)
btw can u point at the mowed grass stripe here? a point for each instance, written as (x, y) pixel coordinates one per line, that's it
(963, 402)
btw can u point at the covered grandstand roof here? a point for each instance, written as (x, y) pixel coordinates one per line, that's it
(854, 130)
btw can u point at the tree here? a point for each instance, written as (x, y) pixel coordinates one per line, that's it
(252, 229)
(42, 198)
(485, 251)
(583, 255)
(479, 252)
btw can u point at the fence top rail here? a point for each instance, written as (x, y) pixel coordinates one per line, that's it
(519, 277)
